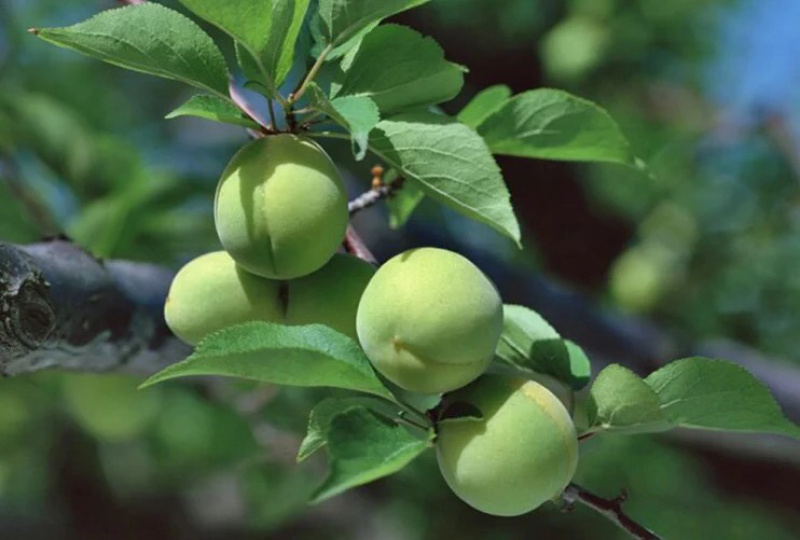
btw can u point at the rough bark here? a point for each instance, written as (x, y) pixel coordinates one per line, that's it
(62, 308)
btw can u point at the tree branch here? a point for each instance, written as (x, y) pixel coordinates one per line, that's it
(378, 192)
(62, 308)
(611, 509)
(355, 246)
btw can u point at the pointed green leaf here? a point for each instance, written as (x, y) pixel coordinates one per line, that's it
(344, 19)
(323, 413)
(213, 108)
(419, 73)
(530, 342)
(715, 394)
(266, 29)
(624, 403)
(551, 124)
(483, 105)
(148, 38)
(450, 163)
(312, 355)
(357, 114)
(364, 447)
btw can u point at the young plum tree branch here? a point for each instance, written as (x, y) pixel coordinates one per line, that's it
(354, 245)
(611, 509)
(379, 191)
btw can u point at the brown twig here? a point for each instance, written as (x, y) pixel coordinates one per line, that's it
(355, 246)
(611, 509)
(132, 2)
(379, 190)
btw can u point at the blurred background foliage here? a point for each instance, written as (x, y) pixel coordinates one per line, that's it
(709, 93)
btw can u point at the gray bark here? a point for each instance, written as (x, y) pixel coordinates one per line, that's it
(62, 308)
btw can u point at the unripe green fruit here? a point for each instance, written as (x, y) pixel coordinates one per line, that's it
(212, 292)
(564, 393)
(281, 207)
(522, 453)
(330, 295)
(430, 320)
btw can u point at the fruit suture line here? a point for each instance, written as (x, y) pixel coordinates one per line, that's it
(611, 509)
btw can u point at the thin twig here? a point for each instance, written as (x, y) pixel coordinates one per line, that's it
(355, 246)
(369, 198)
(611, 509)
(132, 2)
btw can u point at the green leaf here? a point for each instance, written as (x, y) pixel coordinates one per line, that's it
(363, 447)
(450, 163)
(715, 394)
(266, 29)
(484, 104)
(312, 355)
(530, 342)
(357, 114)
(213, 108)
(344, 19)
(624, 403)
(419, 73)
(323, 413)
(148, 38)
(551, 124)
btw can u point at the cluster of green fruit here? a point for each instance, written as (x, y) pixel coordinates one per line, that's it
(429, 320)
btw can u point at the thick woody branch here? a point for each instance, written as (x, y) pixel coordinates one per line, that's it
(62, 308)
(611, 509)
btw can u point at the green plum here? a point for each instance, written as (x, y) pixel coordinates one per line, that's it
(522, 453)
(430, 320)
(281, 208)
(212, 292)
(330, 295)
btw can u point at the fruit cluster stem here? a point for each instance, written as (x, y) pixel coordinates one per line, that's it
(611, 509)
